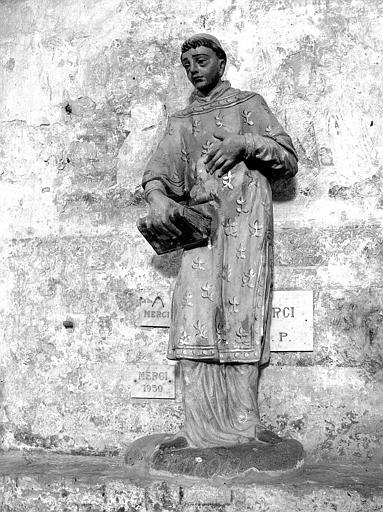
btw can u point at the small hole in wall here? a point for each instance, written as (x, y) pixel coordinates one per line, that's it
(372, 123)
(68, 324)
(68, 108)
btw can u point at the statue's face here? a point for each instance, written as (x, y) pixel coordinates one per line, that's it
(203, 68)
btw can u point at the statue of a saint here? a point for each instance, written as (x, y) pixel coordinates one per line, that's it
(217, 156)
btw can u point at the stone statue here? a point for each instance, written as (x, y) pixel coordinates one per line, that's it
(217, 156)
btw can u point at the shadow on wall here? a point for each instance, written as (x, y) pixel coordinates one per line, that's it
(167, 265)
(284, 189)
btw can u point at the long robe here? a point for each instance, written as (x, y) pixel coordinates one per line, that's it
(222, 299)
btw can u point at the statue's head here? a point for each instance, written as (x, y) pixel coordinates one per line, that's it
(204, 61)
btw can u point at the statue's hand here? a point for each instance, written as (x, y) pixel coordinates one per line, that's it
(162, 213)
(225, 153)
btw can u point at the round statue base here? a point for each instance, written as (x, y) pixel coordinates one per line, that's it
(253, 461)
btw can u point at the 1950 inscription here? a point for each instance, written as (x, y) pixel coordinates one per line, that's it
(152, 381)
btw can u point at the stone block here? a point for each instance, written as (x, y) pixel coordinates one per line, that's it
(83, 483)
(73, 391)
(202, 494)
(353, 245)
(346, 331)
(334, 412)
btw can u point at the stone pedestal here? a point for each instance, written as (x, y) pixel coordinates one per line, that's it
(250, 462)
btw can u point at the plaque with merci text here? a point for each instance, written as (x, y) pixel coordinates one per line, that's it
(152, 381)
(292, 321)
(155, 312)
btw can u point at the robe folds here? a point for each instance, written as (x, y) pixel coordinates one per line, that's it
(222, 299)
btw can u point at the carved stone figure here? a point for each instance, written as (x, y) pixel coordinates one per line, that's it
(218, 156)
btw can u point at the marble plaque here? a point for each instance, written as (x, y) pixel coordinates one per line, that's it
(155, 311)
(152, 381)
(292, 321)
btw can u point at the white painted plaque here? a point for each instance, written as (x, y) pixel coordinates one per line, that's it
(152, 381)
(155, 311)
(292, 321)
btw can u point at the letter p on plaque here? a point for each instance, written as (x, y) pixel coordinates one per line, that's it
(292, 321)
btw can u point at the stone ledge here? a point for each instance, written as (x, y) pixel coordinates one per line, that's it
(47, 482)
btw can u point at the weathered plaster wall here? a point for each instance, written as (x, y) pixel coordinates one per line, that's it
(85, 88)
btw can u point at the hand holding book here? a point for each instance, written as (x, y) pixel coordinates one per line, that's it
(172, 226)
(160, 220)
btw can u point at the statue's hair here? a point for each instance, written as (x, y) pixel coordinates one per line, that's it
(193, 43)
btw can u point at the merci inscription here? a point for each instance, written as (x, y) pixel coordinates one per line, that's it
(152, 381)
(292, 321)
(155, 312)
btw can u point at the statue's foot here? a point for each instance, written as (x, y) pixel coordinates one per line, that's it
(175, 442)
(265, 435)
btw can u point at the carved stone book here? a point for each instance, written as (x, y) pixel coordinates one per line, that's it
(195, 230)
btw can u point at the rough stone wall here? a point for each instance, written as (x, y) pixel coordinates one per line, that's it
(85, 89)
